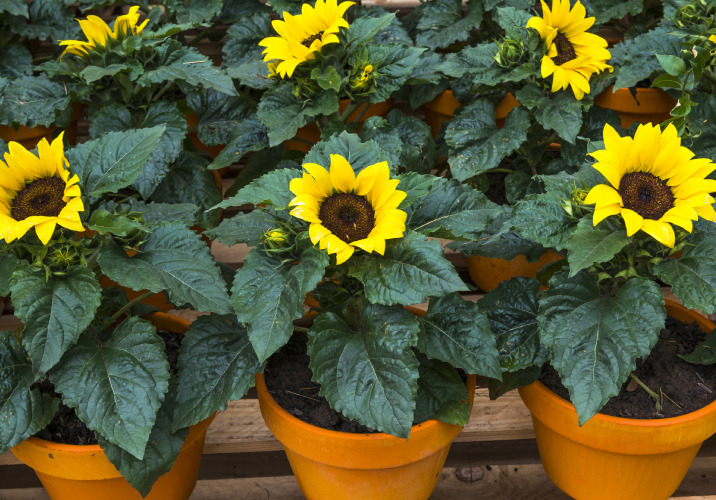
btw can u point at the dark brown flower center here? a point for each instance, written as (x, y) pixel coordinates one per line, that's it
(565, 49)
(348, 216)
(646, 194)
(308, 41)
(39, 197)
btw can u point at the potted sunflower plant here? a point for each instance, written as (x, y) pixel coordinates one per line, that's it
(610, 420)
(349, 230)
(88, 395)
(549, 66)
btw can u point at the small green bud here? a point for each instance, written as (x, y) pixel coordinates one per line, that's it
(510, 52)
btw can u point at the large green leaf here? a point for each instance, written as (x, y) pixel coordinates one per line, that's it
(606, 10)
(512, 311)
(476, 144)
(542, 219)
(359, 154)
(105, 222)
(218, 114)
(563, 114)
(283, 113)
(8, 262)
(15, 61)
(378, 130)
(370, 375)
(393, 65)
(55, 311)
(248, 135)
(419, 152)
(49, 19)
(94, 73)
(216, 364)
(23, 412)
(175, 260)
(592, 130)
(268, 295)
(441, 393)
(242, 39)
(412, 269)
(636, 58)
(365, 28)
(33, 101)
(271, 188)
(178, 62)
(243, 228)
(114, 161)
(194, 11)
(14, 8)
(116, 386)
(441, 22)
(455, 331)
(161, 451)
(589, 245)
(595, 338)
(452, 210)
(704, 353)
(693, 275)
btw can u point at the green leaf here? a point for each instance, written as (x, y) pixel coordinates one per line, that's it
(595, 338)
(162, 449)
(216, 364)
(218, 115)
(378, 130)
(8, 263)
(15, 61)
(441, 393)
(606, 10)
(563, 114)
(271, 188)
(452, 210)
(14, 8)
(592, 130)
(455, 331)
(117, 386)
(364, 29)
(704, 354)
(49, 20)
(542, 219)
(246, 228)
(194, 11)
(441, 22)
(23, 412)
(358, 154)
(589, 245)
(513, 380)
(268, 294)
(412, 269)
(693, 275)
(475, 142)
(328, 79)
(370, 375)
(242, 39)
(673, 65)
(394, 64)
(249, 135)
(178, 62)
(283, 114)
(419, 152)
(105, 222)
(94, 73)
(175, 260)
(636, 58)
(33, 101)
(157, 213)
(55, 311)
(113, 162)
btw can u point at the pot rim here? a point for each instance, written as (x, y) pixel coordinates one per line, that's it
(673, 309)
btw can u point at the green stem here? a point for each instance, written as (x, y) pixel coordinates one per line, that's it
(93, 258)
(498, 170)
(301, 329)
(128, 306)
(651, 393)
(349, 111)
(162, 91)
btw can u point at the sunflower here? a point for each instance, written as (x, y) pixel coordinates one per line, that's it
(573, 55)
(98, 32)
(37, 191)
(656, 182)
(302, 35)
(348, 212)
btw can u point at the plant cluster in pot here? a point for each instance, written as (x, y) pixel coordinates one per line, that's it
(554, 81)
(353, 231)
(642, 214)
(86, 349)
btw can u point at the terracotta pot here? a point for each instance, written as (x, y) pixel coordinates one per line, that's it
(83, 472)
(650, 106)
(613, 457)
(30, 136)
(311, 133)
(341, 465)
(443, 107)
(488, 272)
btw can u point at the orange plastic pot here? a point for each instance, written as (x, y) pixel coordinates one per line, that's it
(443, 107)
(488, 272)
(309, 134)
(650, 106)
(342, 466)
(83, 472)
(30, 136)
(613, 457)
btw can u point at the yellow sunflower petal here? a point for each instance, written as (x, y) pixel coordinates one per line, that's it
(707, 212)
(45, 229)
(660, 231)
(601, 195)
(605, 211)
(342, 176)
(633, 221)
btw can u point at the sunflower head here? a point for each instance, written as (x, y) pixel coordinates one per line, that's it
(654, 182)
(572, 55)
(348, 211)
(301, 36)
(38, 191)
(99, 34)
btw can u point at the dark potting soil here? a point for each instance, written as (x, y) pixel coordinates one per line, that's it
(288, 379)
(66, 428)
(686, 387)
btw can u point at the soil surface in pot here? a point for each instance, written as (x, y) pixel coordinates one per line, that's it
(66, 428)
(686, 387)
(288, 379)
